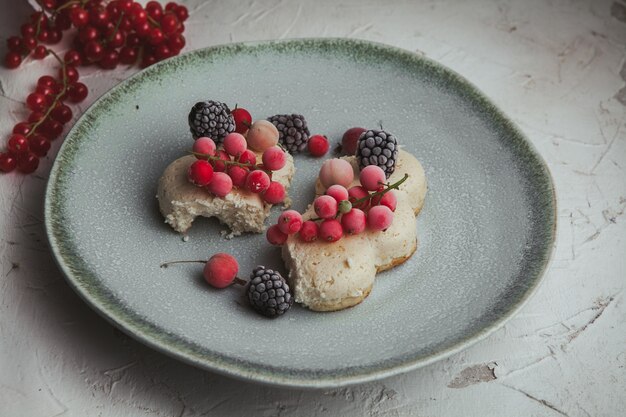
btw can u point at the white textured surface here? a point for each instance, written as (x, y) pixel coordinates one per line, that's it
(557, 68)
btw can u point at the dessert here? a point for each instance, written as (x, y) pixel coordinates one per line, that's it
(242, 210)
(332, 276)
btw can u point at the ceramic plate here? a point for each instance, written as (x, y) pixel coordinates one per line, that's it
(486, 231)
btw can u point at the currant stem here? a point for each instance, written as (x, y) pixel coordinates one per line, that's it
(239, 281)
(117, 26)
(217, 158)
(166, 264)
(393, 186)
(56, 98)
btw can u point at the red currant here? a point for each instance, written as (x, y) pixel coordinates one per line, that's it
(115, 38)
(220, 270)
(40, 52)
(169, 23)
(99, 17)
(289, 222)
(318, 145)
(154, 10)
(46, 81)
(243, 118)
(162, 52)
(133, 40)
(51, 129)
(275, 236)
(61, 114)
(94, 51)
(35, 116)
(36, 102)
(138, 14)
(87, 33)
(8, 162)
(128, 55)
(17, 144)
(27, 162)
(27, 30)
(45, 90)
(125, 5)
(70, 73)
(14, 44)
(72, 57)
(12, 60)
(110, 59)
(275, 193)
(30, 43)
(171, 6)
(77, 92)
(142, 29)
(182, 13)
(54, 36)
(147, 60)
(176, 44)
(22, 128)
(43, 36)
(156, 36)
(330, 230)
(39, 144)
(309, 231)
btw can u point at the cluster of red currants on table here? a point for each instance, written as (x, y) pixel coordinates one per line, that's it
(105, 34)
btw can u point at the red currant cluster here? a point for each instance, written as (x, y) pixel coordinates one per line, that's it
(120, 31)
(219, 170)
(342, 210)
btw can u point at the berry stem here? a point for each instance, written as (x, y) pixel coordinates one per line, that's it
(154, 22)
(57, 98)
(117, 27)
(167, 264)
(239, 281)
(388, 187)
(217, 158)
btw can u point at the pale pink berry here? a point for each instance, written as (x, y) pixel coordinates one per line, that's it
(205, 146)
(330, 230)
(359, 193)
(221, 184)
(338, 192)
(274, 158)
(235, 144)
(290, 222)
(354, 221)
(218, 165)
(248, 157)
(336, 171)
(309, 231)
(262, 135)
(220, 270)
(238, 175)
(372, 177)
(257, 181)
(275, 236)
(325, 206)
(388, 199)
(200, 173)
(275, 193)
(379, 217)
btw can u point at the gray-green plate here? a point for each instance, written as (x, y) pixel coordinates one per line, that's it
(486, 231)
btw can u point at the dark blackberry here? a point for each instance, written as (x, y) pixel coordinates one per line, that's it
(212, 119)
(377, 147)
(292, 130)
(268, 292)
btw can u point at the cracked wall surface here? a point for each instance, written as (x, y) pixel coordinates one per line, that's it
(557, 68)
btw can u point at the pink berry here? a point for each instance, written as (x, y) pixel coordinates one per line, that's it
(354, 221)
(204, 146)
(275, 193)
(379, 217)
(257, 181)
(219, 166)
(243, 119)
(275, 236)
(238, 175)
(330, 230)
(248, 157)
(318, 145)
(309, 231)
(290, 222)
(338, 192)
(221, 184)
(262, 135)
(235, 144)
(372, 177)
(274, 158)
(357, 193)
(336, 171)
(350, 140)
(200, 173)
(388, 199)
(220, 270)
(325, 206)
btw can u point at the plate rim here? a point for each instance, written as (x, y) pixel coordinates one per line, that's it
(185, 351)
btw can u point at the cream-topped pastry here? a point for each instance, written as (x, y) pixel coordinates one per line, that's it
(242, 211)
(333, 276)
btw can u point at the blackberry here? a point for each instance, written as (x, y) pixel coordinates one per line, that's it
(292, 130)
(377, 147)
(212, 119)
(268, 292)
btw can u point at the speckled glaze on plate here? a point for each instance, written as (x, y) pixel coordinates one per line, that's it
(486, 231)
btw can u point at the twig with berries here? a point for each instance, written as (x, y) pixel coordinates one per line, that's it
(108, 33)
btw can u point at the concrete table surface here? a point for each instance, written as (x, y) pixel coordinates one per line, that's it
(556, 67)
